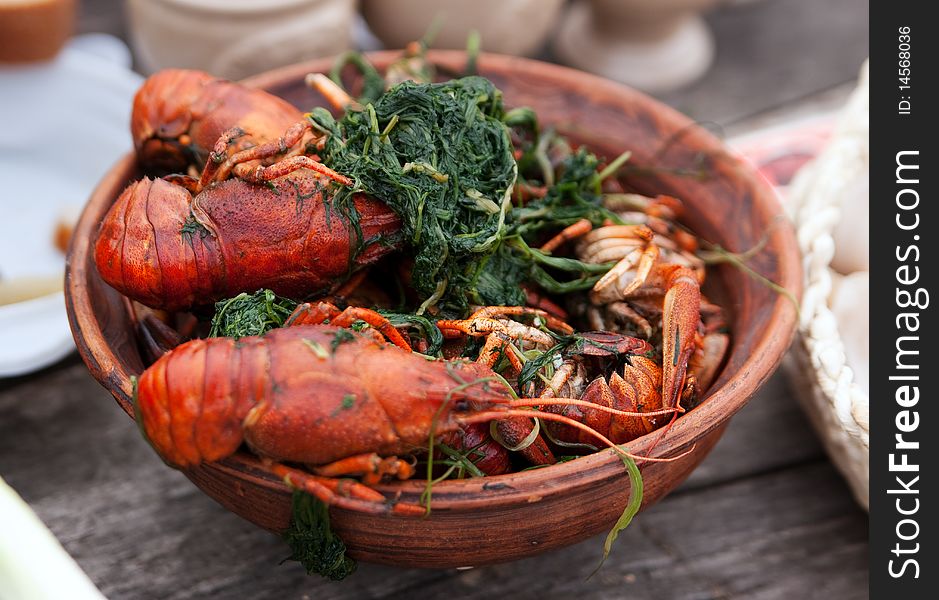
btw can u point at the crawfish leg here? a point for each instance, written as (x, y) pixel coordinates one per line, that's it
(289, 165)
(335, 95)
(357, 313)
(570, 232)
(479, 327)
(211, 171)
(490, 312)
(311, 314)
(627, 314)
(514, 431)
(496, 345)
(279, 147)
(372, 467)
(627, 276)
(343, 493)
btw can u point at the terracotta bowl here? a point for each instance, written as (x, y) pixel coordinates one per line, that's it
(497, 519)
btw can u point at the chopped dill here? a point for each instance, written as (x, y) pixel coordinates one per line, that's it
(442, 167)
(312, 541)
(250, 314)
(191, 228)
(443, 157)
(342, 336)
(317, 349)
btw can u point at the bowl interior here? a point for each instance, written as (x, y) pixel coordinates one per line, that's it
(727, 204)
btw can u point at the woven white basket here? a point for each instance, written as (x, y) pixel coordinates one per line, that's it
(837, 406)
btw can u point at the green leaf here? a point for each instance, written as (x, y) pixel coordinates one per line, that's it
(447, 154)
(632, 508)
(428, 330)
(250, 314)
(312, 541)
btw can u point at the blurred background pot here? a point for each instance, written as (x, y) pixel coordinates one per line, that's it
(506, 26)
(654, 45)
(33, 30)
(237, 38)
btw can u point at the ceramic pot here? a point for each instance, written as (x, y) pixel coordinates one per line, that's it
(654, 45)
(237, 38)
(505, 26)
(34, 30)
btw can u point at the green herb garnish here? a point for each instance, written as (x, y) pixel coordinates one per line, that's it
(192, 228)
(342, 336)
(250, 314)
(632, 508)
(440, 156)
(423, 326)
(312, 541)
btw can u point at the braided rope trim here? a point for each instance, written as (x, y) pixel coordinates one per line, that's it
(813, 204)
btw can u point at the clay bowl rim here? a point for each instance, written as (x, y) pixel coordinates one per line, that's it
(720, 404)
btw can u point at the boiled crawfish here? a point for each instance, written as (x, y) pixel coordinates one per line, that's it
(656, 279)
(169, 249)
(320, 396)
(179, 114)
(654, 289)
(258, 215)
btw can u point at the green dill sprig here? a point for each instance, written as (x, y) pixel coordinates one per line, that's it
(440, 156)
(575, 194)
(632, 508)
(567, 345)
(312, 541)
(192, 228)
(427, 329)
(250, 314)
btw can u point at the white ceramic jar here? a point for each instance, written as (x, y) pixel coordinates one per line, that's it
(654, 45)
(505, 26)
(237, 38)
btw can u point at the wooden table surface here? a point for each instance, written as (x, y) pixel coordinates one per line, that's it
(765, 516)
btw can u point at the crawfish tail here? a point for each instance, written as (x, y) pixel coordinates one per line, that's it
(167, 249)
(191, 402)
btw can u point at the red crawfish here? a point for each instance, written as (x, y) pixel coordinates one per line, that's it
(337, 401)
(169, 249)
(641, 405)
(179, 114)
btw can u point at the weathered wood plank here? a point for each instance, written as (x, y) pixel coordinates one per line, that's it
(769, 433)
(794, 533)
